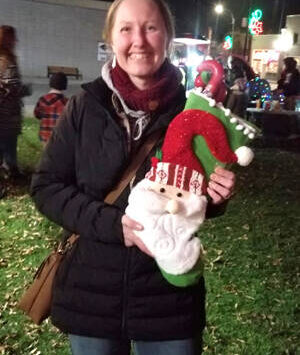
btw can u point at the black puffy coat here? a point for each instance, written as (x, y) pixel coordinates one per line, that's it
(104, 289)
(289, 82)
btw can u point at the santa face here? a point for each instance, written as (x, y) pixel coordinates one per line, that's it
(170, 217)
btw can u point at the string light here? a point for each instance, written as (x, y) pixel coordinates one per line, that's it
(259, 89)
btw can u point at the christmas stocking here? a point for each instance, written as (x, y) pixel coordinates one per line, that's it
(171, 201)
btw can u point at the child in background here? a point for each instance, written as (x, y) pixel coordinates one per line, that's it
(50, 106)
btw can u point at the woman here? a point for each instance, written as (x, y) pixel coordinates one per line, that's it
(289, 83)
(237, 80)
(11, 92)
(110, 291)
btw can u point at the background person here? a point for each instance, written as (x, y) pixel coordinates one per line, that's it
(237, 81)
(289, 82)
(3, 178)
(109, 291)
(50, 106)
(11, 92)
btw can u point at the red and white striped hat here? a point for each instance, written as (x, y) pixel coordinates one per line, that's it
(180, 167)
(178, 176)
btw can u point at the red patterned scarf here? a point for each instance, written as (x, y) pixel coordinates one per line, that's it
(155, 98)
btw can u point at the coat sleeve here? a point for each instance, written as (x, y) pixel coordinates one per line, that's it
(38, 112)
(58, 197)
(10, 80)
(292, 87)
(213, 211)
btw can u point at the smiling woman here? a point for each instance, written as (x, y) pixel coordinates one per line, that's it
(109, 291)
(139, 42)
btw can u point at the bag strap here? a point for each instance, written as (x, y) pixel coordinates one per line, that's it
(133, 167)
(63, 247)
(124, 181)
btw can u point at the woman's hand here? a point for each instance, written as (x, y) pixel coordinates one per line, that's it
(130, 238)
(221, 185)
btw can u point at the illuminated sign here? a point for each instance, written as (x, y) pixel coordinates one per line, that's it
(255, 25)
(265, 55)
(227, 43)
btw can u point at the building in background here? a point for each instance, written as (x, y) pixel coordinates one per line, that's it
(268, 51)
(58, 33)
(293, 28)
(265, 59)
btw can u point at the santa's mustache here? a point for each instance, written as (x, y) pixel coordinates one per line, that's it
(171, 224)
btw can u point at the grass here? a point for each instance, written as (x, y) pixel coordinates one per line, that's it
(26, 238)
(252, 261)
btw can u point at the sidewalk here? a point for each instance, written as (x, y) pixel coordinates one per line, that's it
(40, 86)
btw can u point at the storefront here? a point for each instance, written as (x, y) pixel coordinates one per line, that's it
(265, 62)
(268, 51)
(265, 58)
(187, 54)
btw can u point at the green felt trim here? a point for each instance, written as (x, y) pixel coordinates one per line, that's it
(188, 279)
(208, 161)
(158, 154)
(236, 138)
(205, 76)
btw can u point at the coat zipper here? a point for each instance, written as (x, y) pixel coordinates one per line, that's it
(124, 331)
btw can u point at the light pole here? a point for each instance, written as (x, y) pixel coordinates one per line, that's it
(219, 9)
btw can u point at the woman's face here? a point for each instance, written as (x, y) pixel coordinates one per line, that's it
(139, 40)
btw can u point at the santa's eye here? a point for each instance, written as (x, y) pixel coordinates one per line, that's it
(162, 190)
(179, 194)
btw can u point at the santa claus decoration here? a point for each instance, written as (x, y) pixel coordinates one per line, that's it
(170, 202)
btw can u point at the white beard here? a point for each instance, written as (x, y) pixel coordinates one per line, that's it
(169, 237)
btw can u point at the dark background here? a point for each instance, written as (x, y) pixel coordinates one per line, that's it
(195, 16)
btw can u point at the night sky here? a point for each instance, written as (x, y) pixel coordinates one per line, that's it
(194, 16)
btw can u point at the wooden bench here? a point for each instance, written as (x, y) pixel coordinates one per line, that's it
(69, 71)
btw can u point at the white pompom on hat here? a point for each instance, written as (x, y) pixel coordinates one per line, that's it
(244, 155)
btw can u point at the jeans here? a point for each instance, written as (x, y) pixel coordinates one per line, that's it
(82, 345)
(8, 151)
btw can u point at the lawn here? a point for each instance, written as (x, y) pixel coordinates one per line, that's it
(252, 261)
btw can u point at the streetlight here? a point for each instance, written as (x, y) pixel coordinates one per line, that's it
(219, 9)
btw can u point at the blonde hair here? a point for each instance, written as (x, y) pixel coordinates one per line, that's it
(163, 9)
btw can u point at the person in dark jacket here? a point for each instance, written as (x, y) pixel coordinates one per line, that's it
(49, 107)
(289, 83)
(11, 92)
(109, 291)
